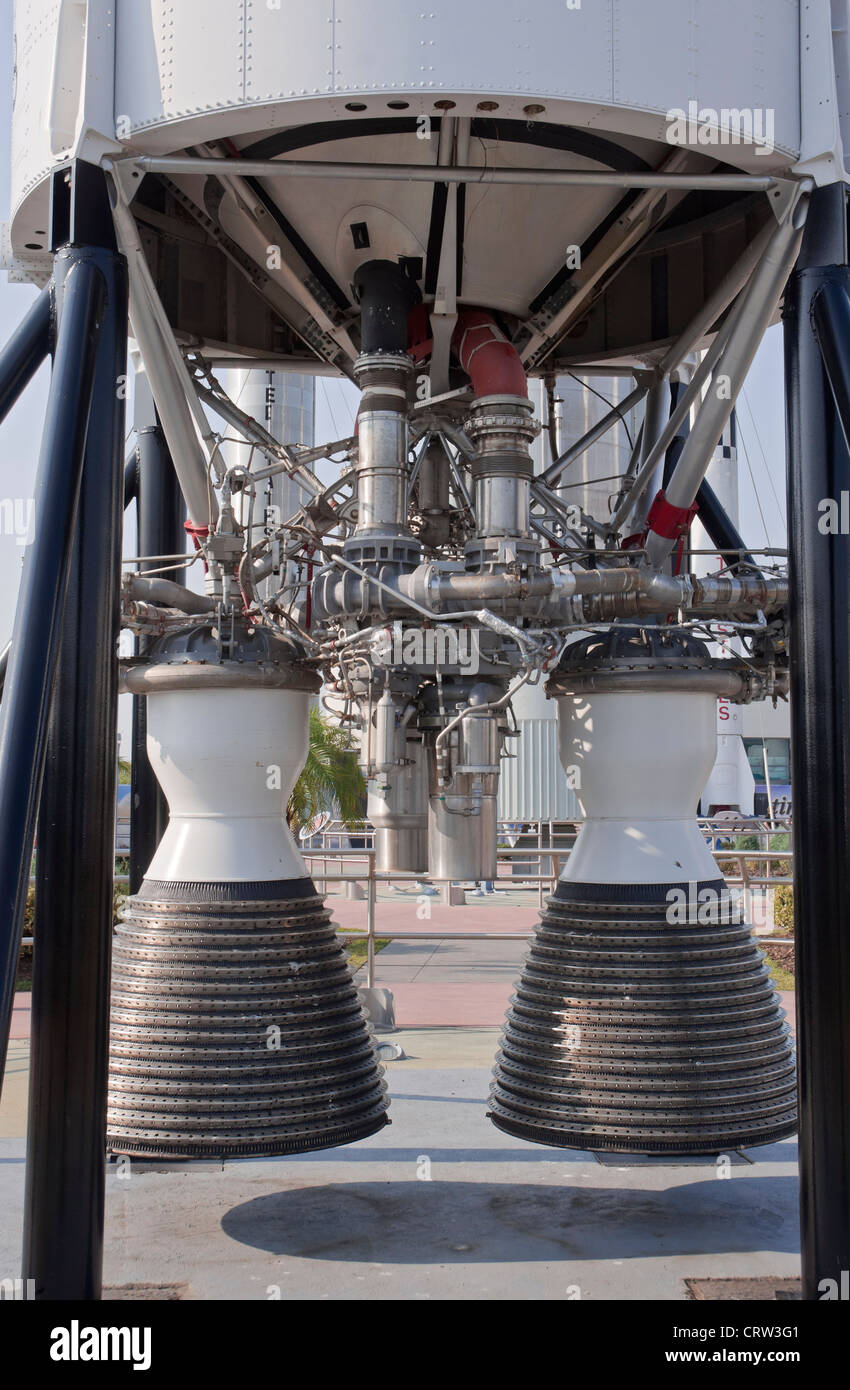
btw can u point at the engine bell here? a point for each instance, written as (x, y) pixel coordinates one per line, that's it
(236, 1027)
(645, 1019)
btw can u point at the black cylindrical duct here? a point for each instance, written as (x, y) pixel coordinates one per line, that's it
(387, 295)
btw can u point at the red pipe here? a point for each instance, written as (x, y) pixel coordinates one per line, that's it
(489, 360)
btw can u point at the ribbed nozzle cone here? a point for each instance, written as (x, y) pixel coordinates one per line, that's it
(632, 1034)
(236, 1027)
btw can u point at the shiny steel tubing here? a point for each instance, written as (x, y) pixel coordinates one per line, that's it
(551, 474)
(652, 591)
(383, 377)
(730, 685)
(718, 302)
(759, 303)
(25, 351)
(655, 419)
(432, 173)
(475, 588)
(382, 473)
(169, 380)
(255, 433)
(169, 594)
(677, 418)
(38, 617)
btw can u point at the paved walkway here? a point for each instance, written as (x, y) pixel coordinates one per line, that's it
(447, 982)
(444, 981)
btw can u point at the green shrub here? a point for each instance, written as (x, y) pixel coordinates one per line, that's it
(783, 907)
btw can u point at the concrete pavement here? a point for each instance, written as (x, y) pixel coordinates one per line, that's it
(440, 1205)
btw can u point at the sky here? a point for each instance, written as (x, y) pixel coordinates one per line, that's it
(760, 415)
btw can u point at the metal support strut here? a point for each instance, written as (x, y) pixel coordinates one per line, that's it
(819, 470)
(66, 1133)
(60, 716)
(38, 617)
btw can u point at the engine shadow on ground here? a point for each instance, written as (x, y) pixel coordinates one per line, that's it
(434, 1222)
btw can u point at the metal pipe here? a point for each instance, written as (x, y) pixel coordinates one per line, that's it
(255, 433)
(297, 366)
(25, 351)
(432, 173)
(476, 587)
(610, 254)
(730, 685)
(38, 616)
(66, 1129)
(172, 353)
(678, 415)
(551, 474)
(818, 468)
(149, 619)
(628, 589)
(170, 387)
(718, 302)
(169, 594)
(656, 416)
(382, 470)
(759, 304)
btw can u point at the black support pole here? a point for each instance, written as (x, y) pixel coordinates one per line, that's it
(831, 321)
(719, 525)
(66, 1134)
(131, 479)
(25, 351)
(160, 515)
(38, 617)
(818, 470)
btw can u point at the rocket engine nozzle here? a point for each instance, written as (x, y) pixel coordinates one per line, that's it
(645, 1019)
(236, 1027)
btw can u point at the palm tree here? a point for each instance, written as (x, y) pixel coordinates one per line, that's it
(330, 778)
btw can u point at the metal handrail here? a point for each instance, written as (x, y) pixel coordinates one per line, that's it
(372, 877)
(532, 852)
